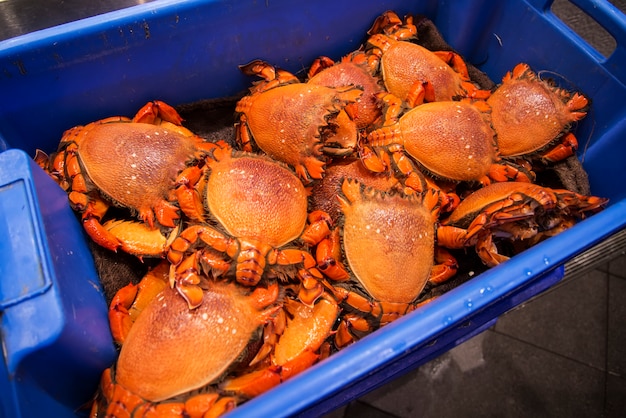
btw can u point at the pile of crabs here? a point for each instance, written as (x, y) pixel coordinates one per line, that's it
(341, 197)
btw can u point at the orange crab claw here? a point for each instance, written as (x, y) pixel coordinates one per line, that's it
(445, 267)
(296, 350)
(328, 254)
(320, 64)
(566, 148)
(157, 110)
(318, 228)
(131, 299)
(119, 317)
(91, 222)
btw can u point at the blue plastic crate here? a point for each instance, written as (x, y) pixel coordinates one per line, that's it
(55, 330)
(184, 51)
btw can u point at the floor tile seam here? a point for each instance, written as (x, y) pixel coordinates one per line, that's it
(390, 414)
(527, 304)
(565, 281)
(544, 349)
(616, 276)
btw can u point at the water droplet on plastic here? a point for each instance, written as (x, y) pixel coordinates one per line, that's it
(546, 261)
(528, 273)
(448, 320)
(469, 304)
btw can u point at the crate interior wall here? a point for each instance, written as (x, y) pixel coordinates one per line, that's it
(184, 51)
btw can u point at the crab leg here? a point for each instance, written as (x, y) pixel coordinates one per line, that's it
(91, 222)
(444, 268)
(130, 300)
(297, 348)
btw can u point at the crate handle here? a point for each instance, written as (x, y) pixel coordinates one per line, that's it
(611, 19)
(607, 15)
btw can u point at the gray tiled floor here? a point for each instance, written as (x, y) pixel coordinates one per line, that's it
(561, 354)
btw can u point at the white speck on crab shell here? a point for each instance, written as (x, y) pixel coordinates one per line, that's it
(220, 320)
(205, 316)
(234, 331)
(156, 133)
(368, 227)
(133, 165)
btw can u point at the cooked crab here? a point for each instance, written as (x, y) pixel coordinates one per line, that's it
(297, 123)
(520, 213)
(171, 355)
(257, 209)
(414, 73)
(533, 117)
(384, 246)
(128, 163)
(447, 140)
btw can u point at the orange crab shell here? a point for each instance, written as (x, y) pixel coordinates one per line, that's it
(133, 163)
(529, 113)
(244, 187)
(452, 140)
(523, 213)
(257, 207)
(188, 349)
(389, 242)
(404, 63)
(287, 123)
(120, 158)
(129, 163)
(324, 192)
(349, 72)
(527, 194)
